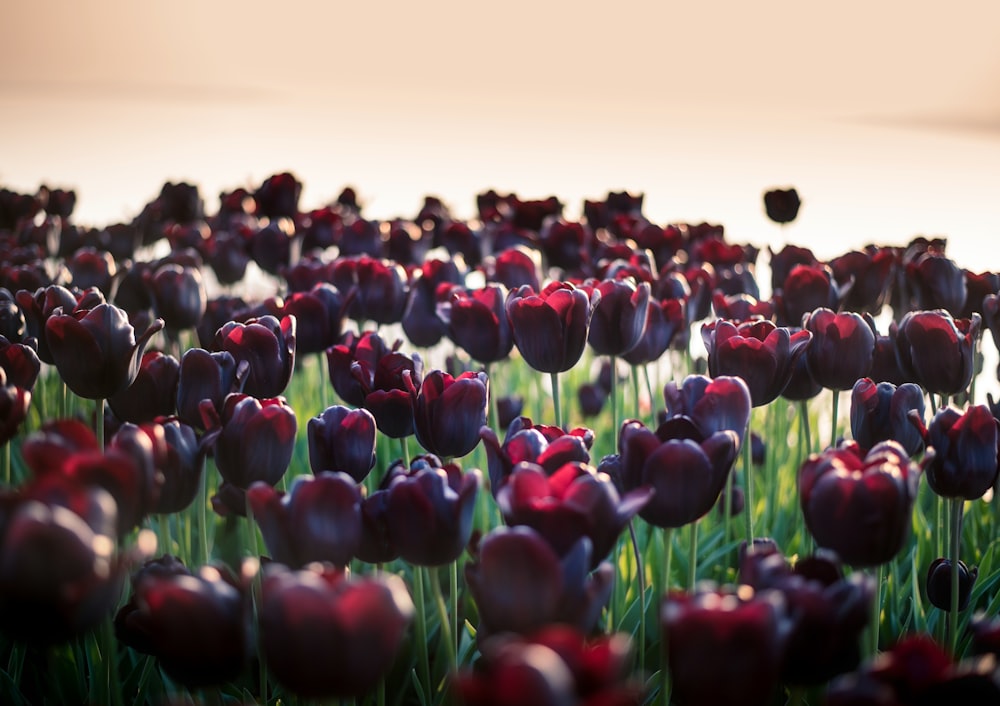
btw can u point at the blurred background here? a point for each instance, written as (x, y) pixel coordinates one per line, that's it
(886, 118)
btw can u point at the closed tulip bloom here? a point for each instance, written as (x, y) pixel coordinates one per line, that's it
(842, 348)
(550, 328)
(181, 461)
(449, 412)
(20, 363)
(882, 413)
(722, 647)
(712, 405)
(520, 584)
(366, 349)
(619, 316)
(319, 315)
(807, 288)
(868, 272)
(318, 520)
(477, 322)
(179, 296)
(760, 352)
(14, 404)
(90, 267)
(936, 351)
(308, 616)
(937, 283)
(37, 307)
(801, 385)
(206, 376)
(152, 394)
(527, 442)
(687, 469)
(664, 321)
(514, 267)
(342, 439)
(382, 288)
(194, 624)
(575, 501)
(965, 445)
(782, 205)
(95, 350)
(268, 346)
(429, 511)
(253, 439)
(939, 583)
(859, 505)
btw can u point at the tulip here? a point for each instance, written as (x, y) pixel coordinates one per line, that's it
(687, 469)
(937, 283)
(868, 273)
(842, 347)
(576, 501)
(179, 297)
(513, 268)
(206, 376)
(420, 321)
(381, 288)
(307, 616)
(20, 363)
(807, 288)
(219, 311)
(550, 328)
(477, 322)
(14, 404)
(882, 413)
(90, 267)
(724, 648)
(966, 446)
(939, 583)
(783, 261)
(152, 394)
(181, 461)
(226, 253)
(509, 408)
(857, 504)
(885, 363)
(619, 316)
(318, 520)
(759, 352)
(342, 439)
(95, 350)
(936, 351)
(529, 442)
(664, 320)
(267, 346)
(37, 307)
(521, 584)
(782, 205)
(366, 350)
(711, 405)
(194, 624)
(449, 412)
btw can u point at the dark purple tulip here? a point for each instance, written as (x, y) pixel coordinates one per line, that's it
(376, 545)
(278, 196)
(979, 286)
(885, 363)
(807, 288)
(939, 583)
(268, 346)
(342, 439)
(801, 385)
(318, 520)
(527, 442)
(966, 447)
(859, 505)
(565, 245)
(95, 350)
(206, 376)
(59, 575)
(711, 405)
(759, 352)
(319, 316)
(38, 307)
(254, 439)
(14, 404)
(381, 288)
(307, 616)
(882, 413)
(20, 363)
(195, 625)
(449, 412)
(13, 327)
(218, 312)
(550, 328)
(520, 584)
(664, 321)
(740, 307)
(178, 296)
(152, 394)
(57, 440)
(936, 350)
(842, 348)
(390, 399)
(420, 321)
(429, 511)
(181, 461)
(868, 273)
(687, 468)
(937, 283)
(514, 268)
(271, 246)
(592, 398)
(226, 253)
(991, 316)
(576, 501)
(509, 408)
(477, 322)
(724, 648)
(92, 268)
(618, 316)
(782, 205)
(360, 237)
(365, 350)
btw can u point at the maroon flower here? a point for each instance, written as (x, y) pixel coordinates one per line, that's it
(342, 439)
(664, 321)
(939, 583)
(95, 350)
(307, 616)
(20, 363)
(711, 405)
(90, 267)
(278, 196)
(528, 442)
(966, 446)
(859, 505)
(152, 394)
(420, 321)
(181, 461)
(619, 316)
(206, 376)
(477, 322)
(14, 404)
(268, 346)
(868, 274)
(179, 297)
(38, 307)
(807, 288)
(882, 413)
(842, 348)
(550, 328)
(381, 288)
(318, 520)
(936, 350)
(937, 283)
(449, 412)
(782, 205)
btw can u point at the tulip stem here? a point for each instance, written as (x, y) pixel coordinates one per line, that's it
(491, 404)
(640, 576)
(99, 422)
(635, 390)
(876, 616)
(423, 657)
(555, 399)
(806, 427)
(6, 465)
(727, 510)
(324, 385)
(649, 391)
(110, 660)
(806, 430)
(956, 549)
(404, 450)
(748, 480)
(614, 396)
(202, 516)
(668, 541)
(833, 420)
(446, 632)
(692, 557)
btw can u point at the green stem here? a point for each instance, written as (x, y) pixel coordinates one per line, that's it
(876, 616)
(649, 391)
(112, 683)
(324, 385)
(614, 396)
(664, 671)
(555, 399)
(491, 409)
(201, 516)
(956, 549)
(692, 557)
(7, 476)
(99, 423)
(668, 539)
(640, 577)
(806, 451)
(635, 389)
(748, 489)
(453, 596)
(446, 632)
(404, 450)
(163, 533)
(727, 513)
(833, 420)
(422, 649)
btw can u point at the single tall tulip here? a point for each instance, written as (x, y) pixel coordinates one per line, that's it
(342, 439)
(449, 412)
(268, 346)
(936, 351)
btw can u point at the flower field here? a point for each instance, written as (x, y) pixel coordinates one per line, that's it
(282, 456)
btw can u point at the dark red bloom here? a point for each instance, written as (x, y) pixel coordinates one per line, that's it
(520, 584)
(966, 446)
(687, 468)
(664, 321)
(939, 583)
(936, 282)
(278, 196)
(449, 412)
(179, 297)
(882, 413)
(38, 307)
(711, 405)
(195, 625)
(550, 328)
(782, 205)
(936, 351)
(477, 322)
(152, 394)
(318, 520)
(842, 348)
(859, 505)
(759, 352)
(619, 316)
(342, 439)
(723, 647)
(181, 461)
(90, 267)
(95, 350)
(868, 273)
(807, 288)
(206, 376)
(420, 321)
(14, 404)
(381, 288)
(528, 442)
(514, 268)
(307, 616)
(20, 363)
(268, 346)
